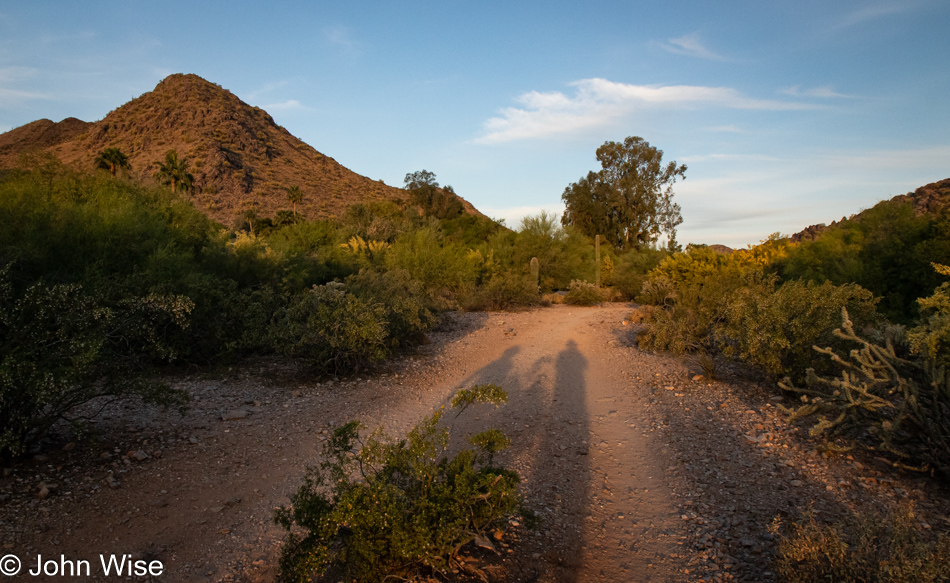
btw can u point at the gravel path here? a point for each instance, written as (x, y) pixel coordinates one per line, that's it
(638, 469)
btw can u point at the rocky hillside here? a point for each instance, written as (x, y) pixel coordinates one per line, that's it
(239, 157)
(931, 198)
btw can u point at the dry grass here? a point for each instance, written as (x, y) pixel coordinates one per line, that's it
(865, 549)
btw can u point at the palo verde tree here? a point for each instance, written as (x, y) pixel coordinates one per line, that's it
(112, 159)
(174, 171)
(630, 200)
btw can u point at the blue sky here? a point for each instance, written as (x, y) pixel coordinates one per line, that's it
(787, 113)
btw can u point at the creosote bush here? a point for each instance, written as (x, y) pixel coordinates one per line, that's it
(385, 508)
(864, 549)
(582, 293)
(61, 347)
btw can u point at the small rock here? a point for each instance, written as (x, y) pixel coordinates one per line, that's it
(139, 456)
(698, 377)
(40, 458)
(69, 446)
(192, 440)
(105, 455)
(43, 494)
(234, 414)
(7, 472)
(796, 483)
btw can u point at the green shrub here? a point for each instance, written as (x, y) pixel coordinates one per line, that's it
(392, 507)
(332, 330)
(504, 291)
(865, 549)
(776, 330)
(739, 312)
(582, 293)
(631, 269)
(61, 348)
(404, 303)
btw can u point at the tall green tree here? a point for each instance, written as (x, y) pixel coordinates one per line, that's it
(630, 200)
(174, 171)
(295, 197)
(112, 159)
(435, 201)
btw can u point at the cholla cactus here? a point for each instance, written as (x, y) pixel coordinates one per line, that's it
(905, 405)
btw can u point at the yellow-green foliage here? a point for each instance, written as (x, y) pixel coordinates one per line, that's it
(391, 507)
(726, 304)
(582, 293)
(864, 549)
(931, 339)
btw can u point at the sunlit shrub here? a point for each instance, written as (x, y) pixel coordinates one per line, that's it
(582, 293)
(864, 549)
(385, 508)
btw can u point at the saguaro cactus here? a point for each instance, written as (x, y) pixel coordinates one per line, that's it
(597, 259)
(535, 273)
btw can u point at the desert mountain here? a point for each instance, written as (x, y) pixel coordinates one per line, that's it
(932, 198)
(239, 157)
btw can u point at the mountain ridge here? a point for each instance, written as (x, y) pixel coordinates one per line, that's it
(240, 157)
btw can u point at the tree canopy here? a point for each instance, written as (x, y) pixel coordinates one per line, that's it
(630, 200)
(174, 171)
(112, 159)
(439, 202)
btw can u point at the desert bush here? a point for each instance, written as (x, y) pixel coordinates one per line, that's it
(61, 348)
(864, 549)
(582, 293)
(504, 291)
(403, 300)
(391, 507)
(740, 312)
(901, 406)
(632, 268)
(775, 329)
(331, 329)
(442, 267)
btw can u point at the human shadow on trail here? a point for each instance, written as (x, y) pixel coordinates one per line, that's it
(546, 418)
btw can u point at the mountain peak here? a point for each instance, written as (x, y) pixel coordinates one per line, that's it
(240, 158)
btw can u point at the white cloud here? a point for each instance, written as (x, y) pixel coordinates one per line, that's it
(340, 36)
(728, 129)
(822, 92)
(691, 46)
(290, 104)
(871, 12)
(599, 102)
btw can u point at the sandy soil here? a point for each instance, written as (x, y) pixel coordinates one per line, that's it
(639, 469)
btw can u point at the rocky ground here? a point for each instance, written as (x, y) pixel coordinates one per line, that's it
(638, 468)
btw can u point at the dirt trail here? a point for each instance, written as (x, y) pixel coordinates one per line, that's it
(637, 471)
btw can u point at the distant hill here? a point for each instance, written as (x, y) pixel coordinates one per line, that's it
(239, 157)
(931, 198)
